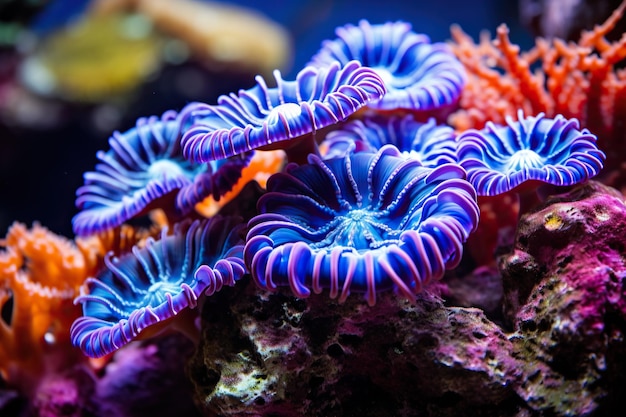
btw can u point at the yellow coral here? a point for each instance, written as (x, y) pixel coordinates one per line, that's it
(100, 57)
(552, 221)
(225, 36)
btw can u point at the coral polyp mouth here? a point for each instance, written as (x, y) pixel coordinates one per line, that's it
(360, 229)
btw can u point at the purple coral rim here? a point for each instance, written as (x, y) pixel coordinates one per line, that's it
(157, 282)
(555, 151)
(263, 116)
(418, 74)
(366, 222)
(428, 142)
(142, 169)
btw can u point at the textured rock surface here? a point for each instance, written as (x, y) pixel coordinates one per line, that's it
(481, 288)
(280, 356)
(565, 292)
(147, 379)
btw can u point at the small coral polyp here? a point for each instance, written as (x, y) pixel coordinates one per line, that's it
(156, 283)
(145, 169)
(366, 222)
(428, 142)
(535, 148)
(263, 116)
(418, 74)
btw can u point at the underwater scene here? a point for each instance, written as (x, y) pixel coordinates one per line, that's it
(312, 208)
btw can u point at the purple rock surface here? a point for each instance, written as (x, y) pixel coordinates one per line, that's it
(147, 379)
(565, 293)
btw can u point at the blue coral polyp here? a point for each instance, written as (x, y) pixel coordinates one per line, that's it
(262, 116)
(362, 223)
(428, 142)
(143, 169)
(154, 284)
(418, 74)
(535, 148)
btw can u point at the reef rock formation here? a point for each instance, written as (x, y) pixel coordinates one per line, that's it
(564, 292)
(558, 349)
(277, 355)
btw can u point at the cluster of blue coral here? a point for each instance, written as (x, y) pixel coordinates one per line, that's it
(380, 194)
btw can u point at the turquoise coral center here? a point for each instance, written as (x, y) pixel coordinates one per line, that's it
(157, 292)
(361, 229)
(524, 159)
(165, 168)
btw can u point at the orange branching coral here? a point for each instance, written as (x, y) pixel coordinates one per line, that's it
(262, 165)
(577, 80)
(40, 274)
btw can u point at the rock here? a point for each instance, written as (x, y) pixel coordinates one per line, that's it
(564, 286)
(147, 378)
(273, 354)
(481, 288)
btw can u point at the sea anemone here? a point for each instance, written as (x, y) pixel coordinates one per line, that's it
(262, 116)
(144, 170)
(154, 284)
(429, 143)
(536, 148)
(418, 75)
(365, 222)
